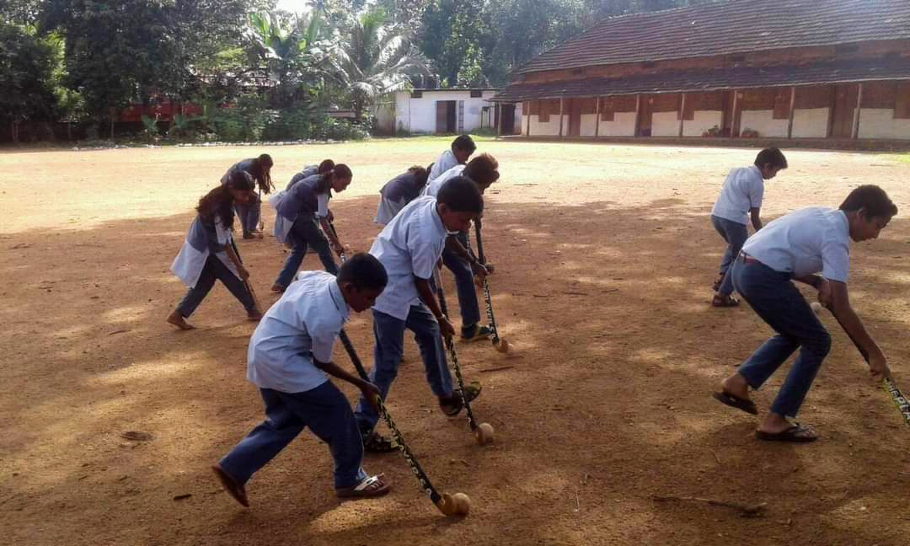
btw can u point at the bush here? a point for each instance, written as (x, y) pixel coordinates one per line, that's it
(291, 124)
(245, 121)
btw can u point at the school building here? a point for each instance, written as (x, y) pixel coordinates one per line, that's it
(795, 69)
(442, 111)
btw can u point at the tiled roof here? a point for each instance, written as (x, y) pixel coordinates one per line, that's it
(713, 80)
(736, 26)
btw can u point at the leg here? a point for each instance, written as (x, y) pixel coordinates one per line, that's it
(328, 414)
(242, 212)
(467, 293)
(389, 334)
(432, 352)
(727, 260)
(320, 244)
(254, 213)
(815, 343)
(235, 285)
(295, 257)
(265, 441)
(196, 294)
(736, 237)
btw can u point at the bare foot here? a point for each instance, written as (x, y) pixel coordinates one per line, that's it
(177, 320)
(775, 423)
(737, 386)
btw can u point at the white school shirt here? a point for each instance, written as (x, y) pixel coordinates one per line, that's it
(446, 161)
(409, 245)
(300, 327)
(743, 190)
(811, 240)
(432, 188)
(190, 262)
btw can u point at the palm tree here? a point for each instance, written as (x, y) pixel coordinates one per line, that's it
(293, 53)
(375, 58)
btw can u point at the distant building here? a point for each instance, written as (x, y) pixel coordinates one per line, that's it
(837, 69)
(436, 111)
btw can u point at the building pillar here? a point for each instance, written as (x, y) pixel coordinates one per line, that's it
(561, 103)
(734, 129)
(682, 113)
(792, 109)
(528, 116)
(497, 113)
(859, 102)
(596, 117)
(637, 115)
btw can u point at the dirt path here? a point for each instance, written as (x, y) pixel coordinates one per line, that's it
(605, 258)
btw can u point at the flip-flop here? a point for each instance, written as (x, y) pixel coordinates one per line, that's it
(724, 301)
(743, 404)
(374, 486)
(797, 434)
(373, 442)
(454, 405)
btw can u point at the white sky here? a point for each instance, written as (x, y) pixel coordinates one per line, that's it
(294, 6)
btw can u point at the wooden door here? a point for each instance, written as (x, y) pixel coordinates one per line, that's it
(844, 103)
(574, 109)
(441, 116)
(645, 111)
(507, 118)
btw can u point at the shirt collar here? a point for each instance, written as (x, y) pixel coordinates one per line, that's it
(338, 300)
(756, 170)
(437, 220)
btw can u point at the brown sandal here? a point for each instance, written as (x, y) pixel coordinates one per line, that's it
(724, 301)
(230, 485)
(374, 486)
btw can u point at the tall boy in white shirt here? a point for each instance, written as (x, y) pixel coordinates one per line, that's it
(799, 246)
(740, 199)
(289, 356)
(409, 247)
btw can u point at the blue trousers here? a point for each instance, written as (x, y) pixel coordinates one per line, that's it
(735, 236)
(305, 233)
(389, 334)
(214, 269)
(328, 414)
(779, 303)
(249, 213)
(464, 284)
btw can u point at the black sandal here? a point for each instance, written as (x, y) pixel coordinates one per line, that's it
(373, 442)
(797, 433)
(453, 406)
(724, 301)
(733, 401)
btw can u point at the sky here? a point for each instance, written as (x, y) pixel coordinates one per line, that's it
(294, 6)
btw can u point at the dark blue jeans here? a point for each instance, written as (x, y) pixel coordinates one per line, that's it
(735, 235)
(464, 284)
(778, 302)
(328, 414)
(249, 213)
(389, 333)
(305, 233)
(214, 269)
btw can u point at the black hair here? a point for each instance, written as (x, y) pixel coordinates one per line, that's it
(772, 156)
(340, 171)
(461, 194)
(482, 170)
(326, 166)
(420, 175)
(464, 142)
(872, 199)
(220, 202)
(262, 178)
(363, 271)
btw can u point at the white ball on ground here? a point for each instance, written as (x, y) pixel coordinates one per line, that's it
(502, 346)
(484, 433)
(462, 504)
(817, 307)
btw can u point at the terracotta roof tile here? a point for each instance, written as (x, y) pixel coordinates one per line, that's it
(736, 26)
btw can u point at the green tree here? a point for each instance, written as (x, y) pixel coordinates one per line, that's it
(375, 58)
(27, 66)
(451, 35)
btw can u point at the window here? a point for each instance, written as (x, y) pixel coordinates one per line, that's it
(476, 93)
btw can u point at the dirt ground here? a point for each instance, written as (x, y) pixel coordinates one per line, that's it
(605, 259)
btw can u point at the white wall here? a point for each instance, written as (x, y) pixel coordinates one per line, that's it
(880, 123)
(385, 116)
(664, 124)
(519, 119)
(810, 123)
(763, 121)
(623, 124)
(703, 120)
(419, 115)
(550, 128)
(588, 124)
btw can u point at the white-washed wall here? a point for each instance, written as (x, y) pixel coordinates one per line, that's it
(704, 120)
(623, 125)
(588, 125)
(810, 123)
(418, 115)
(880, 123)
(664, 124)
(763, 121)
(549, 128)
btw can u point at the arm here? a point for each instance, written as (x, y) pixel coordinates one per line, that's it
(427, 296)
(755, 212)
(330, 233)
(834, 296)
(244, 274)
(453, 245)
(369, 390)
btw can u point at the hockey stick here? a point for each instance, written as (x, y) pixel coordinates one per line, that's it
(500, 344)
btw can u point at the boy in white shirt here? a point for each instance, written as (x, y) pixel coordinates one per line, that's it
(483, 170)
(462, 148)
(798, 246)
(289, 356)
(409, 247)
(740, 199)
